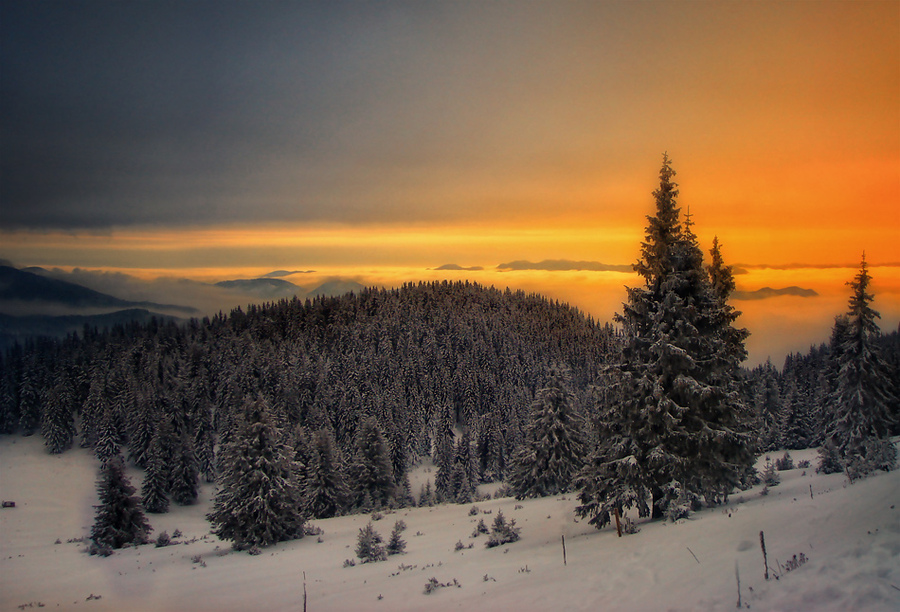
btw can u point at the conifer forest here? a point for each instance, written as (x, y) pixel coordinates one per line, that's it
(299, 410)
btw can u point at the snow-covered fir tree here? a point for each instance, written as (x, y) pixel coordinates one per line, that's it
(184, 472)
(864, 389)
(396, 544)
(58, 422)
(154, 489)
(678, 435)
(370, 545)
(29, 401)
(371, 472)
(119, 516)
(554, 443)
(92, 412)
(107, 441)
(258, 502)
(326, 493)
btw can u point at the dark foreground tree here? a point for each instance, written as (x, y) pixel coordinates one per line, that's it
(120, 518)
(678, 435)
(554, 448)
(258, 502)
(862, 421)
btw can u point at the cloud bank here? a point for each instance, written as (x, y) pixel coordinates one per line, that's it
(564, 265)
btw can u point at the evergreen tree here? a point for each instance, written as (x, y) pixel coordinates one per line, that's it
(119, 518)
(29, 402)
(107, 444)
(92, 413)
(258, 502)
(326, 492)
(863, 395)
(678, 433)
(369, 545)
(554, 447)
(154, 490)
(184, 473)
(371, 470)
(58, 422)
(397, 545)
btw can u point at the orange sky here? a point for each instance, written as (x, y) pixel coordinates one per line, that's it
(387, 141)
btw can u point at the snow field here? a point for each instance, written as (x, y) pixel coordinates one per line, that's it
(849, 533)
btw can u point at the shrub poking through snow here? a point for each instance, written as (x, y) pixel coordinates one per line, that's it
(432, 585)
(502, 532)
(163, 539)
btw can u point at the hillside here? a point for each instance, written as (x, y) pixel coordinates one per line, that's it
(850, 535)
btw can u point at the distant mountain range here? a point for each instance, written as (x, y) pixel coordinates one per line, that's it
(25, 286)
(44, 298)
(266, 288)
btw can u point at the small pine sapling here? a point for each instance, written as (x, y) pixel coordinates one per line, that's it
(503, 532)
(769, 476)
(397, 545)
(369, 545)
(785, 463)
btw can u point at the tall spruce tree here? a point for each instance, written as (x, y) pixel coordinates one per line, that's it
(120, 518)
(58, 420)
(258, 502)
(863, 395)
(371, 472)
(154, 489)
(326, 493)
(677, 437)
(554, 445)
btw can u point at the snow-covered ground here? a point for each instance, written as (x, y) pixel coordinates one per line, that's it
(850, 535)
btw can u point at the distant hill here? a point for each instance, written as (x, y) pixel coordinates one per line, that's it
(24, 286)
(769, 292)
(266, 288)
(17, 329)
(281, 273)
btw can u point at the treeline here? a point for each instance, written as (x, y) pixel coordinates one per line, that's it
(794, 406)
(424, 364)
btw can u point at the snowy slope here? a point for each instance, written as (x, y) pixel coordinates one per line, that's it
(850, 534)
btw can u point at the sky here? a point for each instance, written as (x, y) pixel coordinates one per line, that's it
(381, 141)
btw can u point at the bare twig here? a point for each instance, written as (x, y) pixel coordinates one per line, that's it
(692, 554)
(762, 544)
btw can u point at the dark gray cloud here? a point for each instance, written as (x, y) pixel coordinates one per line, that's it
(563, 265)
(134, 112)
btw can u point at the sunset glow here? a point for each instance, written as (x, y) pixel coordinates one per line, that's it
(379, 143)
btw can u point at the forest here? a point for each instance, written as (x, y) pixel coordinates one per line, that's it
(297, 410)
